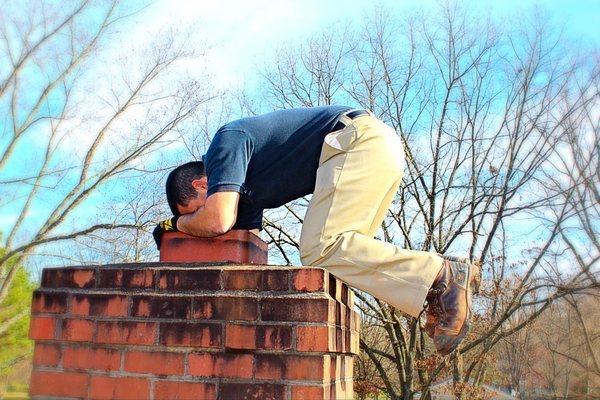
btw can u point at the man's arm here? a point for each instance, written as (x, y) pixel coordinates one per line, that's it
(216, 217)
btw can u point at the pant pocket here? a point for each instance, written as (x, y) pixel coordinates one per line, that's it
(337, 142)
(328, 175)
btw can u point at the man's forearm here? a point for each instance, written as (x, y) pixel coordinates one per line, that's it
(198, 224)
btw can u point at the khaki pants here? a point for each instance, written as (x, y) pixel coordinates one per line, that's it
(360, 170)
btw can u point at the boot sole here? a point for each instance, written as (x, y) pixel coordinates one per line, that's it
(456, 339)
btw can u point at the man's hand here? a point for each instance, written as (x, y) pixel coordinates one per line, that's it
(168, 225)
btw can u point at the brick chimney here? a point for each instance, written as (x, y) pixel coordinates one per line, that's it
(202, 330)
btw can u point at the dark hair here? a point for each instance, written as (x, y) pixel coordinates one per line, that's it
(179, 184)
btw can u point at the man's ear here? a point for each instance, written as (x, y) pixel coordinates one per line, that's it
(200, 183)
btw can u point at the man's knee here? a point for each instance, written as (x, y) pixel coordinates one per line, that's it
(312, 250)
(317, 251)
(305, 259)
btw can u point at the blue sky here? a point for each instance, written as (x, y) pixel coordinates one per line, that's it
(244, 33)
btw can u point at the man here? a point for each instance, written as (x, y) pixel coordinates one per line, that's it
(352, 163)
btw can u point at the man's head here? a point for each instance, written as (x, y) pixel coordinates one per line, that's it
(186, 188)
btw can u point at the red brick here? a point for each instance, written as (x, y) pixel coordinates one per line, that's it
(48, 302)
(228, 308)
(190, 334)
(275, 280)
(354, 342)
(347, 323)
(341, 367)
(296, 309)
(276, 337)
(231, 391)
(46, 354)
(332, 392)
(354, 321)
(126, 332)
(309, 392)
(161, 307)
(42, 328)
(350, 298)
(203, 307)
(238, 246)
(342, 389)
(126, 278)
(308, 280)
(104, 305)
(341, 311)
(242, 279)
(271, 366)
(347, 341)
(58, 384)
(93, 358)
(84, 278)
(314, 338)
(333, 367)
(340, 340)
(177, 280)
(158, 363)
(335, 287)
(175, 390)
(347, 367)
(141, 306)
(104, 387)
(346, 295)
(77, 330)
(240, 337)
(221, 365)
(68, 278)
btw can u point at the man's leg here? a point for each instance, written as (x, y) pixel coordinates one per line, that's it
(354, 189)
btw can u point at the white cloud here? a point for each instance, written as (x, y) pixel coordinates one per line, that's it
(242, 33)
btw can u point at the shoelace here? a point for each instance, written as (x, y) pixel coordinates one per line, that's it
(434, 304)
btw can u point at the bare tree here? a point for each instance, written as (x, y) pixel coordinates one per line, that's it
(517, 352)
(574, 178)
(76, 119)
(483, 115)
(564, 355)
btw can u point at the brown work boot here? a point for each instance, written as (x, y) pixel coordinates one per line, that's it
(448, 309)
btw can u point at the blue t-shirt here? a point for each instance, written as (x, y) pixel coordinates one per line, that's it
(269, 159)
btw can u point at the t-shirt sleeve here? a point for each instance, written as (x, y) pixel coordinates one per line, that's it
(226, 161)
